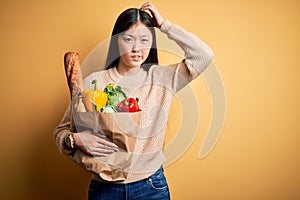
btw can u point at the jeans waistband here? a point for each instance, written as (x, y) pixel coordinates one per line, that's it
(159, 171)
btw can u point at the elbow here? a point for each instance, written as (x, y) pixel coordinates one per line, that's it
(206, 60)
(59, 140)
(210, 56)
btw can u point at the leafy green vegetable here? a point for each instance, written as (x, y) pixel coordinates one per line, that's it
(115, 95)
(108, 109)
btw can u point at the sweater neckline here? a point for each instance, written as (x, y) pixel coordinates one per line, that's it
(129, 77)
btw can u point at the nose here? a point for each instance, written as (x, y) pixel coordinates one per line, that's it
(136, 47)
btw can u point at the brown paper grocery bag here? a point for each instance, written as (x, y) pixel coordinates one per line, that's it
(114, 167)
(120, 128)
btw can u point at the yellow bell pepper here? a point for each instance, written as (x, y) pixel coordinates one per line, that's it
(94, 98)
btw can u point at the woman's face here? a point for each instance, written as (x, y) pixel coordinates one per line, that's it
(134, 45)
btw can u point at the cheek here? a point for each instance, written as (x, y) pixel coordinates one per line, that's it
(124, 48)
(145, 53)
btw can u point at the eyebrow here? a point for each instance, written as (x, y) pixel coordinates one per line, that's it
(133, 36)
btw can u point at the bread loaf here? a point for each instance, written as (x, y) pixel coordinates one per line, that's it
(74, 78)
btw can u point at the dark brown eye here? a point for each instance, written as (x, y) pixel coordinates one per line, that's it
(128, 39)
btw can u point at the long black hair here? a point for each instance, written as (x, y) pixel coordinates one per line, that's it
(125, 20)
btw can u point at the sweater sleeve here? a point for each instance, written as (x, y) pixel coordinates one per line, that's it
(63, 128)
(61, 131)
(198, 55)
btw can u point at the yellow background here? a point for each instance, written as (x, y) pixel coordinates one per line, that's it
(256, 46)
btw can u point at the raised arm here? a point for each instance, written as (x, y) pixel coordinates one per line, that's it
(198, 55)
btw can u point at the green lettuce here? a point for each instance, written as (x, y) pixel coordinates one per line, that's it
(108, 109)
(115, 95)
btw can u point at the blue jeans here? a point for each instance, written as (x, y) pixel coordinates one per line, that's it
(154, 187)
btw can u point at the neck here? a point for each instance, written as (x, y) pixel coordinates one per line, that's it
(127, 70)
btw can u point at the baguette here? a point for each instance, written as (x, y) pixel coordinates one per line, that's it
(74, 78)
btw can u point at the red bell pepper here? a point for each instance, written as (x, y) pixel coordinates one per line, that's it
(128, 105)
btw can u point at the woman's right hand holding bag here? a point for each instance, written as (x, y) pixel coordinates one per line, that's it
(93, 144)
(89, 142)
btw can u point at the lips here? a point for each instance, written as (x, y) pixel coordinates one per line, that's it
(136, 57)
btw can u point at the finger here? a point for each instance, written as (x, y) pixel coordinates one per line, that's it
(101, 152)
(151, 12)
(152, 9)
(147, 6)
(101, 139)
(106, 143)
(106, 148)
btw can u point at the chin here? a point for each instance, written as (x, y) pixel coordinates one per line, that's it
(136, 64)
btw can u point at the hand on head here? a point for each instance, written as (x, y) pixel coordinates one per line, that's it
(154, 11)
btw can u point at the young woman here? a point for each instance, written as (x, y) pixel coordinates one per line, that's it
(132, 64)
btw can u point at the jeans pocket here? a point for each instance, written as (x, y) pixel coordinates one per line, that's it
(158, 182)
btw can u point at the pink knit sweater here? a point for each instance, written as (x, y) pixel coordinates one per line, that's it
(155, 88)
